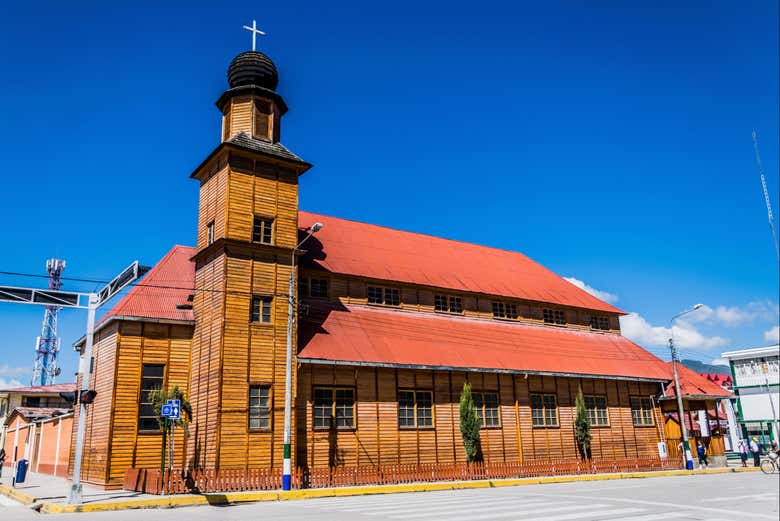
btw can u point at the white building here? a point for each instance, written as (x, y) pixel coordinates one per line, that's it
(756, 374)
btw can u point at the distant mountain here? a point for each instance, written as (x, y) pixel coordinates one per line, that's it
(701, 367)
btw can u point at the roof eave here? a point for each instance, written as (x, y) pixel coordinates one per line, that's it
(299, 165)
(324, 361)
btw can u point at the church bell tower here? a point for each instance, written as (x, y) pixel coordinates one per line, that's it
(247, 232)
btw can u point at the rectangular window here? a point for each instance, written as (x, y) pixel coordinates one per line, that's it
(318, 287)
(554, 316)
(641, 411)
(262, 230)
(486, 405)
(544, 410)
(210, 233)
(152, 376)
(597, 410)
(261, 309)
(415, 409)
(505, 310)
(384, 296)
(334, 407)
(262, 120)
(260, 407)
(599, 323)
(448, 304)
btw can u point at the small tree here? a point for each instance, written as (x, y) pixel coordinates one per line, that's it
(158, 398)
(582, 426)
(469, 425)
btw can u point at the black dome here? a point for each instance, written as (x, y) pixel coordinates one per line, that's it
(252, 68)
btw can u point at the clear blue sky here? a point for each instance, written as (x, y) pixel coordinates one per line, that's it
(610, 143)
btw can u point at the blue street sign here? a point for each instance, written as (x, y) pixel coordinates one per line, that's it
(172, 409)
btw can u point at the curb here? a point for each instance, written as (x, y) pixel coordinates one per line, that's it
(254, 497)
(21, 497)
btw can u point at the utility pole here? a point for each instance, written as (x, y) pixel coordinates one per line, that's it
(287, 465)
(678, 391)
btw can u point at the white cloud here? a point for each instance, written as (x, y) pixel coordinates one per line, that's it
(7, 370)
(636, 328)
(10, 383)
(734, 316)
(603, 295)
(720, 361)
(772, 335)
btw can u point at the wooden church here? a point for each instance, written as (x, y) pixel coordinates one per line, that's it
(389, 325)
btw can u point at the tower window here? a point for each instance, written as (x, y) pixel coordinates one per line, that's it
(554, 316)
(262, 120)
(262, 230)
(210, 233)
(261, 309)
(260, 407)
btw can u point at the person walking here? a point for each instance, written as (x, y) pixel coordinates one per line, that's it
(701, 450)
(2, 460)
(755, 448)
(742, 447)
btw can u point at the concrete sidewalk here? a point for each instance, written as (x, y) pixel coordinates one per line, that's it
(48, 494)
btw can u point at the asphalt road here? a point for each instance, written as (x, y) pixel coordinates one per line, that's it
(719, 497)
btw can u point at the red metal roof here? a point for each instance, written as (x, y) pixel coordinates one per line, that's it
(53, 388)
(694, 385)
(377, 336)
(166, 285)
(376, 252)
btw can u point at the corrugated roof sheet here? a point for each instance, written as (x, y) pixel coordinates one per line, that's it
(694, 384)
(53, 388)
(166, 285)
(378, 336)
(367, 250)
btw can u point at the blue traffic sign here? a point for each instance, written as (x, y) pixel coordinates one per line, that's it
(172, 409)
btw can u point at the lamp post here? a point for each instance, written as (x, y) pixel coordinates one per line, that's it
(287, 469)
(678, 391)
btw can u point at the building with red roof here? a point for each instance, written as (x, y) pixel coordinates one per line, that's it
(389, 326)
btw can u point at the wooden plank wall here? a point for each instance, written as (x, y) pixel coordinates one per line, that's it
(99, 415)
(377, 439)
(229, 352)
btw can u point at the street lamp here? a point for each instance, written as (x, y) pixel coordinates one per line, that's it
(287, 469)
(678, 391)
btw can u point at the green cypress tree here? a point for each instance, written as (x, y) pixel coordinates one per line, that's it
(582, 426)
(469, 425)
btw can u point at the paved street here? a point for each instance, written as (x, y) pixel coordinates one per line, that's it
(713, 498)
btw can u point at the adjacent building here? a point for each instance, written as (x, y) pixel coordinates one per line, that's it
(756, 375)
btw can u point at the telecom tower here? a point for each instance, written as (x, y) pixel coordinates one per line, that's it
(45, 369)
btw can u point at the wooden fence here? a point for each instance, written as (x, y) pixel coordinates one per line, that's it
(184, 481)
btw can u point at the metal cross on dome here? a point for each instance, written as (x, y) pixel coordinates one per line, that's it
(255, 31)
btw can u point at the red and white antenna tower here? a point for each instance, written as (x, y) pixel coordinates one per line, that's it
(47, 345)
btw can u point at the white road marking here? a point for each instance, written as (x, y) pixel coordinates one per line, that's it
(447, 509)
(588, 515)
(736, 513)
(401, 506)
(663, 516)
(515, 512)
(768, 495)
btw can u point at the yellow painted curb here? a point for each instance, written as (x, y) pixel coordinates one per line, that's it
(253, 497)
(17, 495)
